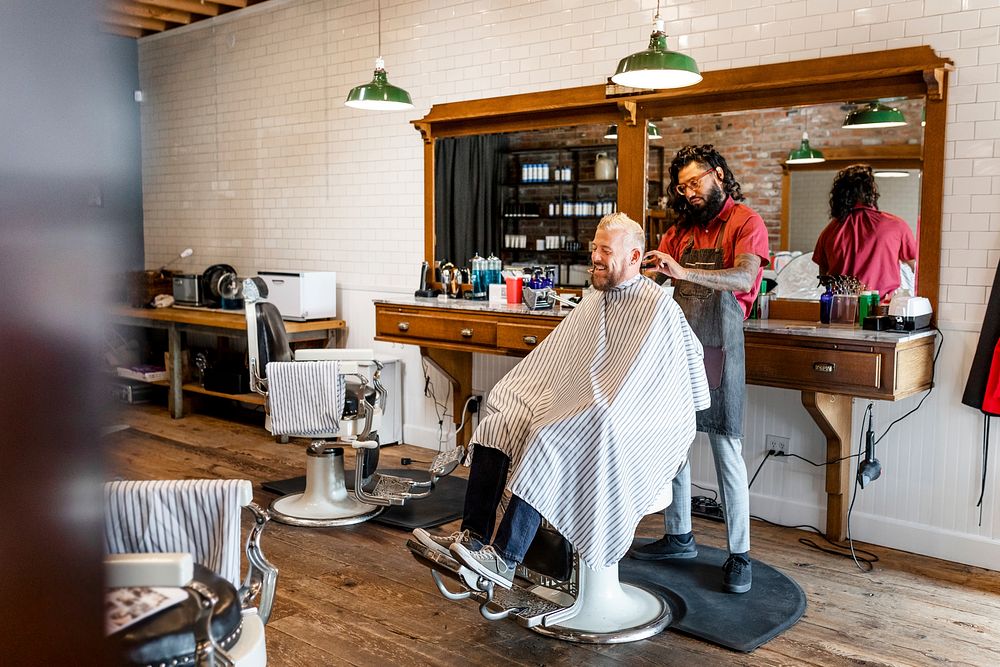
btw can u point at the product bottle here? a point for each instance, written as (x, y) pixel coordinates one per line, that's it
(479, 276)
(494, 267)
(825, 302)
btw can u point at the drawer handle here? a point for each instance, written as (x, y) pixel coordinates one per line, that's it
(403, 326)
(466, 333)
(530, 340)
(824, 366)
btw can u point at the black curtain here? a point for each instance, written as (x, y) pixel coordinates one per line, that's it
(467, 173)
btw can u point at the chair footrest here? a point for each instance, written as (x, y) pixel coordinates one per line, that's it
(445, 462)
(395, 489)
(526, 608)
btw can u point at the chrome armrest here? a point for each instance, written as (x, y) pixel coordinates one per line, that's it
(262, 575)
(258, 385)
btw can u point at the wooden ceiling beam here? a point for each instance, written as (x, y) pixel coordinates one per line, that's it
(121, 30)
(192, 6)
(115, 18)
(146, 12)
(232, 3)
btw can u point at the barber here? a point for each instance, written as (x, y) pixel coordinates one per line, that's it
(715, 255)
(861, 240)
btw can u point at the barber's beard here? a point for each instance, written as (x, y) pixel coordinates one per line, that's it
(715, 199)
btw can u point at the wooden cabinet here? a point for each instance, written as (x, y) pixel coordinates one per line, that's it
(884, 367)
(513, 332)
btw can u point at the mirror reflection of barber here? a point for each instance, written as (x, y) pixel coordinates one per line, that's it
(715, 255)
(861, 240)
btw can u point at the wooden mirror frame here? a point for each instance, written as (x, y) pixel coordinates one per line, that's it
(910, 72)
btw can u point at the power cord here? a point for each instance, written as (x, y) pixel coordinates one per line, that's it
(440, 409)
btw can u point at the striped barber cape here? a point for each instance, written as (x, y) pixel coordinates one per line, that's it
(598, 419)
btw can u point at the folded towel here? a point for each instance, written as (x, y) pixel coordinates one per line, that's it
(196, 516)
(306, 397)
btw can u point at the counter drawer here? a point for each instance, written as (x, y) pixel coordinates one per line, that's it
(425, 327)
(836, 371)
(521, 337)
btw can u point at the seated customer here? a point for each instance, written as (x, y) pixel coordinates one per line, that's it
(589, 429)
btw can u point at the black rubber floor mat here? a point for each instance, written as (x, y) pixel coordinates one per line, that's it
(443, 505)
(739, 622)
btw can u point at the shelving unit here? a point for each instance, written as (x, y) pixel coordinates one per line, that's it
(568, 210)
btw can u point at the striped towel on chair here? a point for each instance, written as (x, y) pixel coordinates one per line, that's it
(196, 516)
(306, 397)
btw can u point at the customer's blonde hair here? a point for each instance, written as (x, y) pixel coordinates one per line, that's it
(634, 237)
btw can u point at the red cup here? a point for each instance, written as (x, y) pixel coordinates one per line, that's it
(514, 289)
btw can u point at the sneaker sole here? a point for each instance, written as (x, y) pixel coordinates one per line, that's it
(425, 539)
(729, 588)
(459, 553)
(681, 556)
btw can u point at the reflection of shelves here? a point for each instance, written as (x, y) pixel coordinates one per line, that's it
(553, 217)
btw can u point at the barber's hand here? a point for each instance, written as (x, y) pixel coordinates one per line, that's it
(661, 262)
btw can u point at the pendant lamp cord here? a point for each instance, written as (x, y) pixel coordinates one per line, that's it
(986, 454)
(379, 28)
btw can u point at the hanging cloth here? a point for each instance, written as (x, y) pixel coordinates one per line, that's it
(982, 390)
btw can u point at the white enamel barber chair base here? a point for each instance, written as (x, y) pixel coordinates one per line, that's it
(250, 651)
(608, 611)
(326, 500)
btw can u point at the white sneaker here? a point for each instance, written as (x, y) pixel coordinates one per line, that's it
(485, 562)
(440, 543)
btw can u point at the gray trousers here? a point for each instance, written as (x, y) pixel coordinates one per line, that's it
(734, 494)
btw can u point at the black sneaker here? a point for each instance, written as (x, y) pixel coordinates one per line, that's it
(737, 574)
(667, 547)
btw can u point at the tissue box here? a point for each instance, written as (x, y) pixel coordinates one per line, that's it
(498, 293)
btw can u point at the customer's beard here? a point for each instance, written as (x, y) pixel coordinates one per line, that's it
(715, 199)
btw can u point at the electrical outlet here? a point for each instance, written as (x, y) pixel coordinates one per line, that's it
(776, 442)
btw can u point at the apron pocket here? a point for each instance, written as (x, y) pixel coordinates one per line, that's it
(715, 364)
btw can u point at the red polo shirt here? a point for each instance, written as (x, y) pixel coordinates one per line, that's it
(868, 244)
(744, 234)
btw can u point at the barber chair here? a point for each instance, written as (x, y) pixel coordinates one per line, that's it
(186, 534)
(556, 595)
(326, 500)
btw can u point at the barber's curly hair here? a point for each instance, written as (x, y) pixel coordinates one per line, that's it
(851, 186)
(709, 157)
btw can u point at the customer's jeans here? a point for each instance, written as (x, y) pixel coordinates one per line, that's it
(520, 522)
(734, 494)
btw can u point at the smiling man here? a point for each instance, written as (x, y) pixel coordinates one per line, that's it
(567, 431)
(715, 254)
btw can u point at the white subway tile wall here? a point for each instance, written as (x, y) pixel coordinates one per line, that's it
(250, 157)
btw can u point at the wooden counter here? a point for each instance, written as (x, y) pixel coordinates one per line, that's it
(829, 365)
(177, 320)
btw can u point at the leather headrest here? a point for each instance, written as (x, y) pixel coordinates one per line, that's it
(272, 341)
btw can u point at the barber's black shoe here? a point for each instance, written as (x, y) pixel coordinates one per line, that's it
(737, 574)
(667, 547)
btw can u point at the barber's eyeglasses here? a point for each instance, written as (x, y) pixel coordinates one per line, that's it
(693, 184)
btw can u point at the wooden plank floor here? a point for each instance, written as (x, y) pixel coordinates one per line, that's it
(354, 596)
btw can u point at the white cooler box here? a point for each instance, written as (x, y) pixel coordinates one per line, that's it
(302, 295)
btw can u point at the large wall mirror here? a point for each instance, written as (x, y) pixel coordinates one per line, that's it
(793, 198)
(755, 115)
(533, 198)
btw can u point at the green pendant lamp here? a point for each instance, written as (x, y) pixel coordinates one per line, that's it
(874, 115)
(379, 95)
(805, 154)
(657, 67)
(652, 132)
